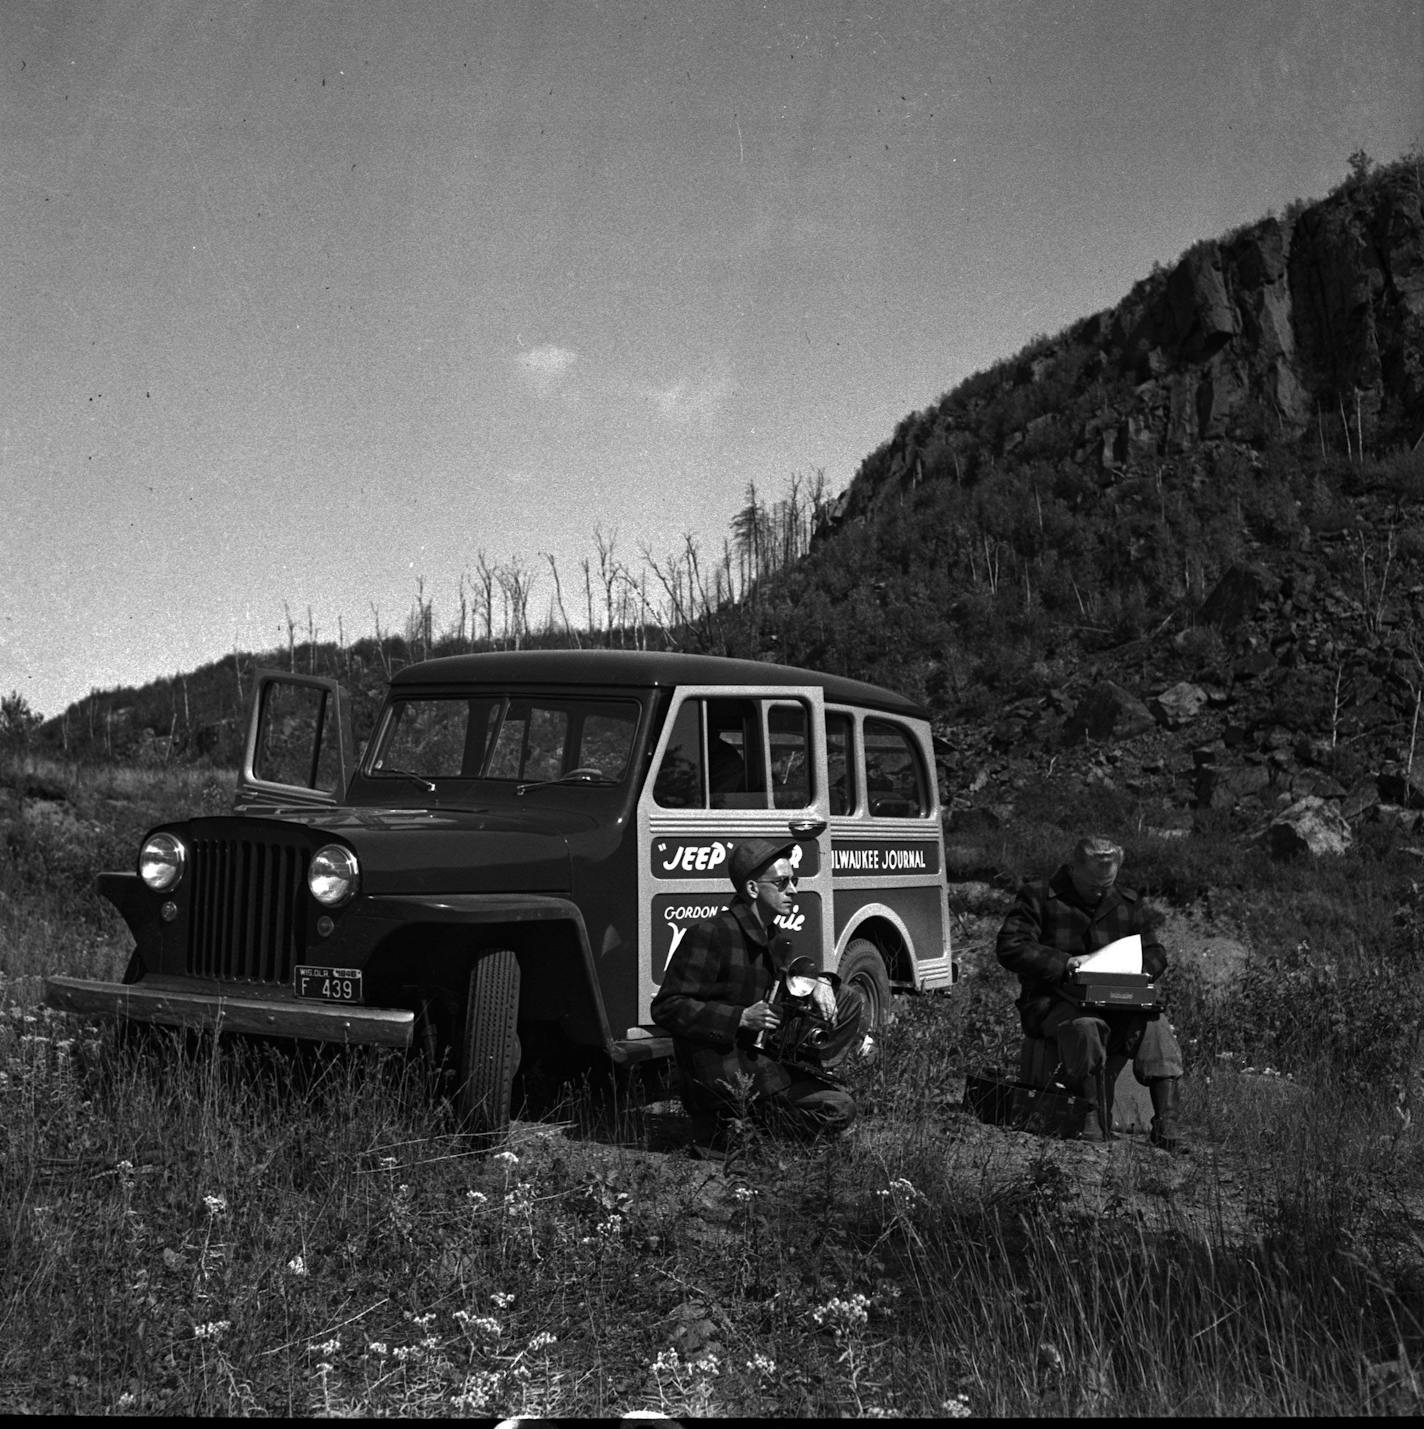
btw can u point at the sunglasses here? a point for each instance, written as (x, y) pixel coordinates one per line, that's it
(783, 883)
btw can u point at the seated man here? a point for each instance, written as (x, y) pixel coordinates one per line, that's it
(714, 1002)
(1051, 928)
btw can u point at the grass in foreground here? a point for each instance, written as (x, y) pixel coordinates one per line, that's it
(236, 1232)
(231, 1232)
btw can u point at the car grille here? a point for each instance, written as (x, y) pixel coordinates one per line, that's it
(248, 909)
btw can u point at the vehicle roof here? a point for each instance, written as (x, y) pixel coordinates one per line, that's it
(642, 668)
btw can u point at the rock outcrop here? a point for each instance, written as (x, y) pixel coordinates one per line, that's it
(1308, 323)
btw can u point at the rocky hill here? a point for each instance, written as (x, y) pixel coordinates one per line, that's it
(1177, 549)
(1306, 327)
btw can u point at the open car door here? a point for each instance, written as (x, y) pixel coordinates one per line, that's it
(299, 750)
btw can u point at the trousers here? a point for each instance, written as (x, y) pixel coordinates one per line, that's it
(1087, 1038)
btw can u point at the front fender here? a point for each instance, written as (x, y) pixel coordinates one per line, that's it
(558, 981)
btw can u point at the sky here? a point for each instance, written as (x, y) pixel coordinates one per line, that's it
(306, 305)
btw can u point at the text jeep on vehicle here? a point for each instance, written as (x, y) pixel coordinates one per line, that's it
(507, 867)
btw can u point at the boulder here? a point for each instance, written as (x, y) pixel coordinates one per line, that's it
(1236, 596)
(1361, 799)
(1309, 826)
(1218, 788)
(1108, 711)
(1404, 787)
(1179, 704)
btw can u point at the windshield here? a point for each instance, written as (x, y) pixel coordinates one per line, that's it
(519, 738)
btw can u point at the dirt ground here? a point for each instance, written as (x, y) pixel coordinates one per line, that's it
(1206, 1191)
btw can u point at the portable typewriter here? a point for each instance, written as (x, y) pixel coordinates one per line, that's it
(1113, 992)
(1112, 980)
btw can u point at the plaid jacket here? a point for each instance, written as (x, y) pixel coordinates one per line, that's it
(1049, 924)
(722, 966)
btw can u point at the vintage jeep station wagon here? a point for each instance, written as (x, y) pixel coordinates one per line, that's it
(507, 867)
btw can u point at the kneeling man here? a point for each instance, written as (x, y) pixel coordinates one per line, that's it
(715, 1001)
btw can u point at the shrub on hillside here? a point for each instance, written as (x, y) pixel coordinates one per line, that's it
(1354, 1011)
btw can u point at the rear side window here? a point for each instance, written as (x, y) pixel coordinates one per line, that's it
(895, 785)
(790, 755)
(840, 762)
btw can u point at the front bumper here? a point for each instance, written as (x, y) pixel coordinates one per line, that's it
(175, 1007)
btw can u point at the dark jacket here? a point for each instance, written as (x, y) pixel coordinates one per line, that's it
(723, 965)
(1049, 924)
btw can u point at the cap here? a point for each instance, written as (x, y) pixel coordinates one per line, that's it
(754, 856)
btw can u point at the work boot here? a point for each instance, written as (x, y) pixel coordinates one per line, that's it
(1093, 1122)
(1111, 1072)
(1166, 1129)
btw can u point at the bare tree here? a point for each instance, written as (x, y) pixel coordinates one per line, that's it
(668, 574)
(460, 641)
(291, 636)
(569, 631)
(345, 654)
(704, 607)
(608, 571)
(516, 583)
(381, 652)
(586, 566)
(420, 623)
(487, 581)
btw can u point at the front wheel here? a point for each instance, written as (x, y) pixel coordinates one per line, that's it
(489, 1044)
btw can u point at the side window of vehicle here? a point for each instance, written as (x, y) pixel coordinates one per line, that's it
(679, 783)
(894, 776)
(790, 744)
(840, 762)
(717, 755)
(735, 777)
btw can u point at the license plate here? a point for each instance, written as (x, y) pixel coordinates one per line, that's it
(329, 984)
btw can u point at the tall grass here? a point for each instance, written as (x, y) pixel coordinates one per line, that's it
(200, 1227)
(218, 1228)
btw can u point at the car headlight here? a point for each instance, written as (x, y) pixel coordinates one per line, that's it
(334, 875)
(161, 860)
